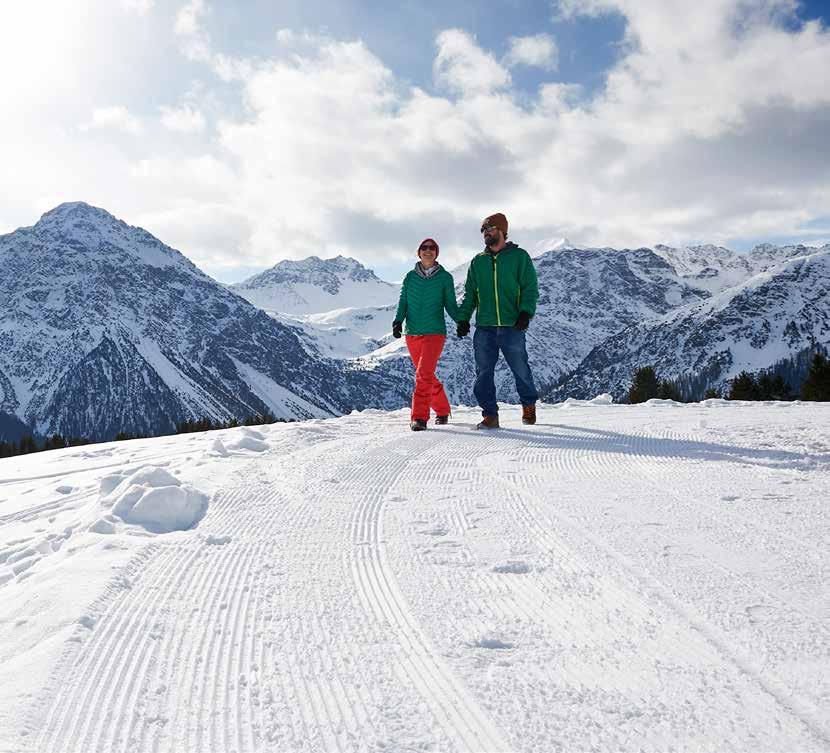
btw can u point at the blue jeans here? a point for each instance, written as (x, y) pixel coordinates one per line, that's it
(487, 342)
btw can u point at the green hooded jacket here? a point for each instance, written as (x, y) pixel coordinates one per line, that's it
(499, 286)
(424, 299)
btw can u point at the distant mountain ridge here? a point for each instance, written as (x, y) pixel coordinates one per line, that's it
(103, 328)
(769, 317)
(106, 329)
(315, 286)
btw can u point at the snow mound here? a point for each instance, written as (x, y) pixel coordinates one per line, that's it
(603, 399)
(155, 499)
(241, 442)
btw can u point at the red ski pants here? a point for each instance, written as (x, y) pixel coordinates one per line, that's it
(425, 351)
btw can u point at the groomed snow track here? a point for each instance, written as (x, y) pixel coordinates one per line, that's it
(594, 583)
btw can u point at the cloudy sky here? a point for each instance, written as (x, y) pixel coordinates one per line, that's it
(251, 131)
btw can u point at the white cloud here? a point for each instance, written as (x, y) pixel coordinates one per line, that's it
(184, 119)
(142, 7)
(464, 68)
(711, 126)
(190, 30)
(539, 51)
(116, 117)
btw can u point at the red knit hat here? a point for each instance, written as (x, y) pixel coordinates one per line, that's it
(428, 240)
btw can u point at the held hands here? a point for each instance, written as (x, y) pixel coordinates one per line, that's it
(522, 320)
(462, 329)
(397, 328)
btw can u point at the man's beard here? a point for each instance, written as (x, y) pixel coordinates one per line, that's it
(491, 240)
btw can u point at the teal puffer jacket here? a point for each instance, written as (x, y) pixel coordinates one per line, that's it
(423, 302)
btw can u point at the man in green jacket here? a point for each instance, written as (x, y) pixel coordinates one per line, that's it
(502, 288)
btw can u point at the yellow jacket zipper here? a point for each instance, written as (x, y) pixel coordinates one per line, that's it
(496, 288)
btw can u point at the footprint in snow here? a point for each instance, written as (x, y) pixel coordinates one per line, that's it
(492, 643)
(514, 567)
(435, 531)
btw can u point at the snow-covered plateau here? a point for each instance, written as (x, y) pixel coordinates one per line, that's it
(615, 578)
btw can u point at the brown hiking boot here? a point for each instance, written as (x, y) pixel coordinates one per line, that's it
(442, 420)
(417, 424)
(488, 422)
(529, 414)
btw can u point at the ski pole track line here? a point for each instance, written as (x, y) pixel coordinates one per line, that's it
(368, 587)
(647, 453)
(128, 699)
(692, 506)
(58, 505)
(702, 492)
(178, 669)
(69, 661)
(784, 697)
(204, 585)
(201, 586)
(98, 656)
(102, 653)
(435, 682)
(534, 602)
(222, 601)
(325, 701)
(352, 708)
(531, 603)
(756, 592)
(603, 635)
(660, 533)
(132, 657)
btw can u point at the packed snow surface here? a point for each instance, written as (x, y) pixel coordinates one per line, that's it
(615, 578)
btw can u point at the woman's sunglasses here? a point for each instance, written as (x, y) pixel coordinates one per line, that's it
(428, 247)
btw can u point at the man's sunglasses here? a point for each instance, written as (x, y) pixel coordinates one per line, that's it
(485, 228)
(428, 247)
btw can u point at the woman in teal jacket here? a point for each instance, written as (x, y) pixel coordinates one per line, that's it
(427, 291)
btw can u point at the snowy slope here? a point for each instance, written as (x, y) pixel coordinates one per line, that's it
(343, 333)
(103, 329)
(715, 268)
(771, 316)
(616, 578)
(314, 286)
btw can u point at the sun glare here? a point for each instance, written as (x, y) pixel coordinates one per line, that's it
(39, 42)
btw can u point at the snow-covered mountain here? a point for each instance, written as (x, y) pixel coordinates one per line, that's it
(342, 333)
(715, 268)
(103, 328)
(315, 286)
(769, 317)
(586, 295)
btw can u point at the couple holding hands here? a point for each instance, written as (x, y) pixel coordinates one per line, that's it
(502, 289)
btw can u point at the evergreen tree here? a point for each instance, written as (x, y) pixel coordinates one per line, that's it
(645, 385)
(816, 386)
(765, 387)
(744, 387)
(711, 394)
(27, 444)
(668, 391)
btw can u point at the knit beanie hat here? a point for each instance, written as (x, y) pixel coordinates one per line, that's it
(428, 240)
(498, 220)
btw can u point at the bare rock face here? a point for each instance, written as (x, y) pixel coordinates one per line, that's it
(103, 328)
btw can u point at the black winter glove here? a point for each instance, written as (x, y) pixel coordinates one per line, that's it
(397, 328)
(522, 321)
(462, 329)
